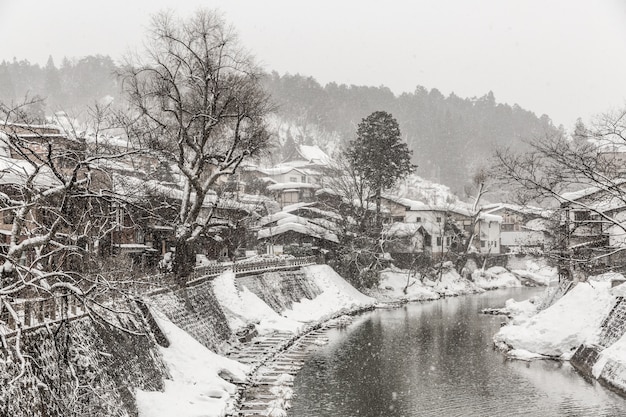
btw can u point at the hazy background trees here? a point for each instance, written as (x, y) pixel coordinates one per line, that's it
(450, 136)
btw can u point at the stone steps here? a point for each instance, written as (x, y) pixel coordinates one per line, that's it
(257, 397)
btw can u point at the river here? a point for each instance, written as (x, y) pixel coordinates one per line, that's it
(436, 359)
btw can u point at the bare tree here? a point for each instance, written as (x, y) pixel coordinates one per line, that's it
(359, 254)
(196, 100)
(584, 175)
(55, 208)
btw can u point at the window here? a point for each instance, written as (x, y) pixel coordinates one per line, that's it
(447, 240)
(438, 219)
(482, 243)
(303, 178)
(507, 227)
(8, 217)
(418, 219)
(293, 179)
(580, 216)
(438, 240)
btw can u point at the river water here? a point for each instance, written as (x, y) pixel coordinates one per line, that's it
(436, 359)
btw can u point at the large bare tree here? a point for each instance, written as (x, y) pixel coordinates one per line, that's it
(196, 100)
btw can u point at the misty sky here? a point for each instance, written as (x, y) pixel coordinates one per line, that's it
(562, 58)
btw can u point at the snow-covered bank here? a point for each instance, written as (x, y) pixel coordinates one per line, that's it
(337, 295)
(196, 387)
(400, 285)
(243, 307)
(586, 326)
(495, 277)
(558, 330)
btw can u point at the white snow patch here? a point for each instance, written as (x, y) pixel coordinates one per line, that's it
(337, 294)
(451, 283)
(617, 353)
(541, 274)
(196, 389)
(394, 281)
(495, 277)
(244, 307)
(561, 328)
(523, 355)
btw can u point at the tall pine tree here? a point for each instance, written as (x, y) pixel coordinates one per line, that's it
(379, 155)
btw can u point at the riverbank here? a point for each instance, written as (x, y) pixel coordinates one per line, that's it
(584, 324)
(211, 384)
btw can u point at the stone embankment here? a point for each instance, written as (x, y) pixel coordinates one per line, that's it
(611, 372)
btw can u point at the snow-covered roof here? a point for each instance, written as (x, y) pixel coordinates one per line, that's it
(412, 205)
(136, 188)
(538, 225)
(403, 229)
(294, 186)
(265, 220)
(276, 170)
(535, 211)
(16, 171)
(586, 192)
(313, 154)
(304, 229)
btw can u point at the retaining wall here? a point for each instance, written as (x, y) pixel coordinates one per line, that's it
(80, 368)
(195, 310)
(613, 327)
(280, 289)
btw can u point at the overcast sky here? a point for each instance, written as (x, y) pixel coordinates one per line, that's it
(562, 58)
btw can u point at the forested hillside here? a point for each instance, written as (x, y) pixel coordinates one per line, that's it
(71, 87)
(450, 136)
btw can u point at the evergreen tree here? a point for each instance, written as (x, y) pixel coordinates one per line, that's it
(290, 147)
(52, 83)
(379, 155)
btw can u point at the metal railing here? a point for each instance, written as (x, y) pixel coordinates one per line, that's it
(241, 268)
(34, 312)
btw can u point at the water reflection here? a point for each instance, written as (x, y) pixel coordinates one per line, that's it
(436, 359)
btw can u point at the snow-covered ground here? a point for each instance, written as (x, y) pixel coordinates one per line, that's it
(540, 274)
(495, 277)
(337, 295)
(397, 284)
(560, 329)
(196, 388)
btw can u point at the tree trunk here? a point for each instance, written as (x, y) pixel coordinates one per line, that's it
(184, 261)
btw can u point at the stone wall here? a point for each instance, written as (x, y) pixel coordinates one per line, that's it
(195, 310)
(80, 368)
(614, 325)
(280, 289)
(584, 358)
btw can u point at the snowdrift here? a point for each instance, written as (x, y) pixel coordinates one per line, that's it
(558, 330)
(196, 388)
(337, 294)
